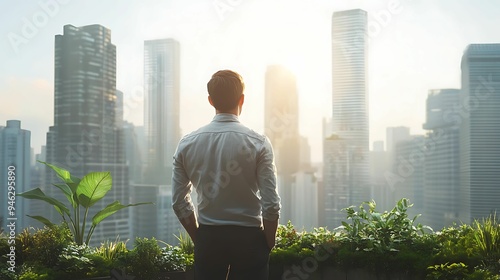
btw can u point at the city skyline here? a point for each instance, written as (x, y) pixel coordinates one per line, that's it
(405, 60)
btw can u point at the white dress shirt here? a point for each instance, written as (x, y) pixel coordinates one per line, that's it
(232, 170)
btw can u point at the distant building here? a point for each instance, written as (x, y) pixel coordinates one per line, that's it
(380, 165)
(281, 123)
(350, 126)
(87, 134)
(441, 170)
(15, 151)
(134, 152)
(408, 166)
(161, 107)
(305, 200)
(378, 146)
(394, 135)
(478, 117)
(337, 180)
(305, 153)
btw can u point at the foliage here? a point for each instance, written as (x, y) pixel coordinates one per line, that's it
(30, 274)
(447, 271)
(453, 271)
(74, 262)
(475, 245)
(185, 242)
(4, 250)
(176, 259)
(381, 243)
(455, 245)
(383, 232)
(42, 246)
(81, 194)
(487, 238)
(112, 251)
(148, 261)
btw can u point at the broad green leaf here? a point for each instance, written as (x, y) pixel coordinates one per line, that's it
(93, 187)
(64, 175)
(110, 210)
(38, 194)
(61, 173)
(42, 220)
(67, 192)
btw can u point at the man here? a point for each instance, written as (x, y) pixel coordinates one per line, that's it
(232, 170)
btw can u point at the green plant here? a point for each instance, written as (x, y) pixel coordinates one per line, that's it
(487, 236)
(73, 261)
(31, 275)
(111, 251)
(82, 194)
(144, 260)
(384, 232)
(5, 249)
(42, 246)
(174, 258)
(447, 271)
(185, 242)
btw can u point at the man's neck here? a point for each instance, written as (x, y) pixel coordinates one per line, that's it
(235, 111)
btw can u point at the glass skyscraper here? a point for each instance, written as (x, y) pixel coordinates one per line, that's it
(441, 168)
(478, 116)
(281, 125)
(349, 115)
(15, 153)
(87, 134)
(161, 107)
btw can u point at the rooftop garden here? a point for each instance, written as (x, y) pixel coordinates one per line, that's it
(368, 245)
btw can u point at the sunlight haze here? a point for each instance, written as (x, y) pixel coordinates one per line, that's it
(414, 46)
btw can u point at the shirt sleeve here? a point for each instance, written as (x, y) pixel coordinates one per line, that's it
(266, 179)
(181, 188)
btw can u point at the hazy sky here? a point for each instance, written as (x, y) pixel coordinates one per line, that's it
(414, 46)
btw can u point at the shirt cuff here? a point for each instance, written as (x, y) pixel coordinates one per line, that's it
(270, 216)
(184, 211)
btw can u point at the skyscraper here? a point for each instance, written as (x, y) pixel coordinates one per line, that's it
(14, 158)
(441, 169)
(87, 135)
(478, 116)
(395, 135)
(162, 105)
(281, 125)
(349, 112)
(408, 167)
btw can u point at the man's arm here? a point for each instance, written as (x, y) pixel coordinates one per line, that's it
(266, 178)
(181, 198)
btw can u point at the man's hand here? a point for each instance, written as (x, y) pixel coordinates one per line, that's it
(190, 224)
(270, 228)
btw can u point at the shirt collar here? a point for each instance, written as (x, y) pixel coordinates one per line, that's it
(224, 117)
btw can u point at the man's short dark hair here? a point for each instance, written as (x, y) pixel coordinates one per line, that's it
(225, 89)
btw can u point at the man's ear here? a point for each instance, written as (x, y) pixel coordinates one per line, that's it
(242, 100)
(210, 101)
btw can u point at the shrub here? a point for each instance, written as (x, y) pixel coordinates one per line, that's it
(43, 246)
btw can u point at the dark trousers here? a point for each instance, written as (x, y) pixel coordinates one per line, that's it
(235, 252)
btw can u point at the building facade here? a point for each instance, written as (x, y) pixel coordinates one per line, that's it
(478, 116)
(441, 169)
(281, 116)
(161, 107)
(87, 135)
(15, 151)
(349, 112)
